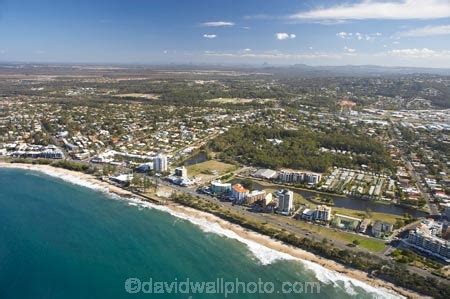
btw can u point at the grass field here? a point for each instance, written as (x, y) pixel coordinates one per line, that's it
(329, 233)
(147, 96)
(209, 167)
(389, 218)
(239, 100)
(368, 243)
(298, 199)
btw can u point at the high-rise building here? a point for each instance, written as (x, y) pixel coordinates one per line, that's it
(239, 192)
(181, 172)
(293, 177)
(312, 178)
(254, 196)
(219, 188)
(322, 213)
(298, 177)
(285, 201)
(426, 237)
(160, 163)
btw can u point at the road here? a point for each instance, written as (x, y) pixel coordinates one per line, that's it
(278, 221)
(398, 231)
(289, 224)
(416, 177)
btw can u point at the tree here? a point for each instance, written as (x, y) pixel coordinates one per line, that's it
(247, 183)
(421, 203)
(136, 181)
(109, 169)
(146, 183)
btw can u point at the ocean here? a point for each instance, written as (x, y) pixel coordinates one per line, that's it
(63, 240)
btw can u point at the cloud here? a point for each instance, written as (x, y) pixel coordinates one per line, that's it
(419, 57)
(427, 31)
(358, 35)
(414, 52)
(419, 53)
(349, 50)
(344, 35)
(381, 10)
(218, 24)
(210, 36)
(284, 35)
(275, 55)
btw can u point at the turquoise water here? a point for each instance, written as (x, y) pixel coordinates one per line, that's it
(60, 240)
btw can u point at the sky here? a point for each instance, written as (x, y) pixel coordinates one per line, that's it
(277, 32)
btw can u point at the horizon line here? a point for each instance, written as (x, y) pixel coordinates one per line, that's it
(203, 64)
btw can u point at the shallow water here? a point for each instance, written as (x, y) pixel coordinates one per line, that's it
(61, 240)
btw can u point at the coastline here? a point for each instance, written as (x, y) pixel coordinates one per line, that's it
(325, 270)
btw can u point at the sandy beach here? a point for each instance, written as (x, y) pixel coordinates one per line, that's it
(311, 261)
(73, 176)
(297, 253)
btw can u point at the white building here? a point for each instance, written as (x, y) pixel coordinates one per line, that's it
(312, 178)
(255, 195)
(239, 193)
(160, 163)
(285, 201)
(298, 177)
(37, 151)
(287, 176)
(267, 174)
(308, 215)
(218, 188)
(181, 172)
(322, 213)
(123, 179)
(426, 237)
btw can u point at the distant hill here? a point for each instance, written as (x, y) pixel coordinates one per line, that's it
(355, 70)
(294, 70)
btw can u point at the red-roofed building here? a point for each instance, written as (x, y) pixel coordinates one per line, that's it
(238, 192)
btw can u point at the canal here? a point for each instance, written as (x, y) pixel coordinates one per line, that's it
(346, 202)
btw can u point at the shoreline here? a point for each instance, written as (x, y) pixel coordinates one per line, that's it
(319, 265)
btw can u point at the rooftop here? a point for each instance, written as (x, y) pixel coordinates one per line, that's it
(239, 188)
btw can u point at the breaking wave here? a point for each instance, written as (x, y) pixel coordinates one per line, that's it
(262, 253)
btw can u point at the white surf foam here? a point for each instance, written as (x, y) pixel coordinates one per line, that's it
(267, 255)
(325, 275)
(264, 254)
(73, 179)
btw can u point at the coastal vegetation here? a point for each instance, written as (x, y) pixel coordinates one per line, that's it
(66, 164)
(390, 271)
(370, 244)
(410, 257)
(210, 167)
(268, 120)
